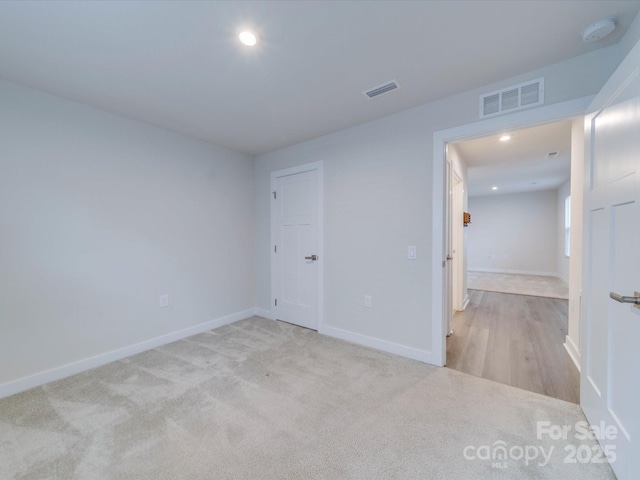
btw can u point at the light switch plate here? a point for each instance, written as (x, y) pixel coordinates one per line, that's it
(163, 301)
(411, 252)
(368, 301)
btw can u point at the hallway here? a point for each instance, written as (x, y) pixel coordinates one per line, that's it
(516, 340)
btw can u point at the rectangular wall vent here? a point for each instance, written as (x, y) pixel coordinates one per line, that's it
(382, 89)
(510, 99)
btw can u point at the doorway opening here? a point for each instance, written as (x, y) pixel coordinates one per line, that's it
(508, 291)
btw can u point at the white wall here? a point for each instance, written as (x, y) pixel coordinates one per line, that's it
(101, 214)
(562, 262)
(378, 201)
(631, 37)
(514, 233)
(373, 210)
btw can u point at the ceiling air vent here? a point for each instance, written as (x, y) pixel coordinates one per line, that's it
(381, 89)
(510, 99)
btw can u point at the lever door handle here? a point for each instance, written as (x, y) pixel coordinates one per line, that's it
(449, 257)
(312, 257)
(622, 299)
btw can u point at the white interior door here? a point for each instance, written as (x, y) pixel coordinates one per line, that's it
(447, 263)
(295, 218)
(457, 243)
(610, 389)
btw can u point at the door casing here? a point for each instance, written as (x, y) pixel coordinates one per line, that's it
(439, 191)
(457, 243)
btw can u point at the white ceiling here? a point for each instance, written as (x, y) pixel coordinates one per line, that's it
(178, 64)
(521, 164)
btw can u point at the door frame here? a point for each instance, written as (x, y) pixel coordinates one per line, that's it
(448, 246)
(453, 234)
(307, 167)
(527, 118)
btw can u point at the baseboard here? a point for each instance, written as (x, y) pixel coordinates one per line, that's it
(516, 272)
(573, 351)
(261, 312)
(385, 346)
(58, 373)
(465, 302)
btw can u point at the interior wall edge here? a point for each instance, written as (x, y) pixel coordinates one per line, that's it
(573, 351)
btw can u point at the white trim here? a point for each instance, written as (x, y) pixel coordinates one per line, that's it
(58, 373)
(573, 351)
(261, 312)
(307, 167)
(522, 119)
(516, 272)
(378, 344)
(466, 301)
(457, 241)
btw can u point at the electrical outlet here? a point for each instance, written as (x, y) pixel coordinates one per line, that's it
(163, 301)
(368, 301)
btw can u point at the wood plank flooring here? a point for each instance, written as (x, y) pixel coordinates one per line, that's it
(516, 340)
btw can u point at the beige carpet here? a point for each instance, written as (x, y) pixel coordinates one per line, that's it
(533, 285)
(266, 400)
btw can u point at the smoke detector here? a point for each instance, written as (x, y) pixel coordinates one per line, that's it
(598, 30)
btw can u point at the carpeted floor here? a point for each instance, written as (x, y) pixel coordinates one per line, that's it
(266, 400)
(532, 285)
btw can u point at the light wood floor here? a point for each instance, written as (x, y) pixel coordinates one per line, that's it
(516, 340)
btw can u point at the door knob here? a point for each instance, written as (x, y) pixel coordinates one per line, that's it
(622, 299)
(312, 257)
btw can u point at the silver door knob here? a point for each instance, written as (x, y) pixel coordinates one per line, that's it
(312, 257)
(622, 299)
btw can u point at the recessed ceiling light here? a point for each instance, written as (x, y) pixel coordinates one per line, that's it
(505, 138)
(494, 188)
(248, 38)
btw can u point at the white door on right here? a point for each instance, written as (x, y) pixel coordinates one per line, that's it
(610, 332)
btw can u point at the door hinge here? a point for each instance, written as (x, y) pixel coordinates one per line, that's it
(276, 302)
(274, 195)
(444, 263)
(275, 249)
